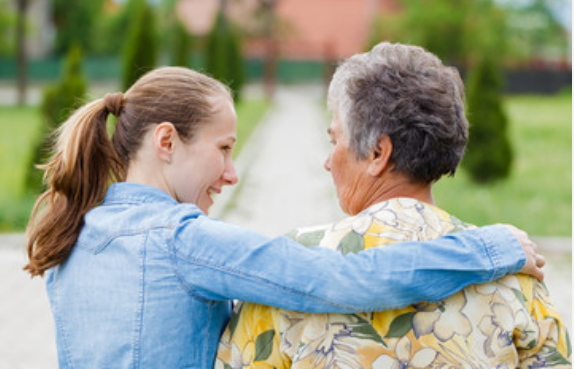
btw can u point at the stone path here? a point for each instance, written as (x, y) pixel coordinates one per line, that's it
(283, 186)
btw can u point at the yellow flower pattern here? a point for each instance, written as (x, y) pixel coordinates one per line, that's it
(507, 323)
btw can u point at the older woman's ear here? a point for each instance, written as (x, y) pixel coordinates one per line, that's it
(380, 157)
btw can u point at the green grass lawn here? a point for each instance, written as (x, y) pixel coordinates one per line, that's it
(249, 113)
(19, 129)
(538, 195)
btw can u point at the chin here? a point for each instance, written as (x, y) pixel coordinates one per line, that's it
(350, 209)
(344, 207)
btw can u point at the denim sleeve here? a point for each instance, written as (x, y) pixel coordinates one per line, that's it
(217, 261)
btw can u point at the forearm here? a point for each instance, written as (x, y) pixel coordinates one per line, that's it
(282, 273)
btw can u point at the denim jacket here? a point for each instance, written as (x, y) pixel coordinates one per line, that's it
(150, 281)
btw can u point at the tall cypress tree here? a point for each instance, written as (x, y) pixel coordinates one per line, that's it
(489, 153)
(141, 47)
(224, 57)
(58, 102)
(181, 42)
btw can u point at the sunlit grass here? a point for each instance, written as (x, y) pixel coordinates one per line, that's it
(249, 113)
(538, 195)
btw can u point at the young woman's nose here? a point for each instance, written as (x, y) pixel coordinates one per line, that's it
(230, 175)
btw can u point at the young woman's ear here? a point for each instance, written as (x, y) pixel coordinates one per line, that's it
(379, 158)
(164, 139)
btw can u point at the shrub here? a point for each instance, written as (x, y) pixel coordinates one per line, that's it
(58, 101)
(224, 57)
(181, 42)
(141, 44)
(489, 153)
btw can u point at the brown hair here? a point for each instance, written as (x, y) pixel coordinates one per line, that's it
(85, 161)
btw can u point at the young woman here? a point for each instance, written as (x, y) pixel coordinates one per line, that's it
(139, 276)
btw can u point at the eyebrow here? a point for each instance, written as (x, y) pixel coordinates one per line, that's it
(329, 131)
(232, 138)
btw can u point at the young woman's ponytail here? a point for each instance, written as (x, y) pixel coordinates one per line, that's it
(77, 177)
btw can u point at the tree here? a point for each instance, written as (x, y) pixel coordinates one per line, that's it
(489, 153)
(22, 60)
(7, 29)
(454, 30)
(224, 56)
(141, 46)
(113, 22)
(440, 27)
(536, 31)
(181, 42)
(58, 101)
(75, 23)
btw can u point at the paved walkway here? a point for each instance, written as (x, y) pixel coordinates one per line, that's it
(286, 155)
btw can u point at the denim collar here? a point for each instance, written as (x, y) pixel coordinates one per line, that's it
(136, 193)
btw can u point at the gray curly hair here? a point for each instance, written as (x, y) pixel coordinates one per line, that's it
(404, 92)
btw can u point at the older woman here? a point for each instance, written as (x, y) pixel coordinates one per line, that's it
(398, 126)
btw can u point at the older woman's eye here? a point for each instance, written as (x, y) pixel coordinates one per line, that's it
(333, 142)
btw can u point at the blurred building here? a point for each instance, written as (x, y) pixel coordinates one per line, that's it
(302, 29)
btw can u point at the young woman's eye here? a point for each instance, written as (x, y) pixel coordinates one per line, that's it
(226, 148)
(333, 142)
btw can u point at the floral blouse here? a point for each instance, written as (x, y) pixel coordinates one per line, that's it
(503, 324)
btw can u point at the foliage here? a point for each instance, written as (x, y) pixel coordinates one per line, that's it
(224, 56)
(450, 29)
(141, 44)
(440, 27)
(112, 27)
(181, 42)
(534, 30)
(75, 23)
(7, 24)
(458, 31)
(489, 154)
(58, 101)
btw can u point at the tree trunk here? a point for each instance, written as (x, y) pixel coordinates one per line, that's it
(21, 46)
(271, 48)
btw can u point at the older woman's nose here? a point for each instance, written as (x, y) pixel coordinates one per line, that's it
(327, 164)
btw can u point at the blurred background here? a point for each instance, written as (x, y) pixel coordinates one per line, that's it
(514, 55)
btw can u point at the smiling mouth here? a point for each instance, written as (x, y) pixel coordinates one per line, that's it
(211, 191)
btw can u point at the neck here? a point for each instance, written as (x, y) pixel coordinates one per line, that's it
(395, 185)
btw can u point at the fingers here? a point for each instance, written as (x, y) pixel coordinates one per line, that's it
(538, 273)
(533, 265)
(540, 261)
(534, 261)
